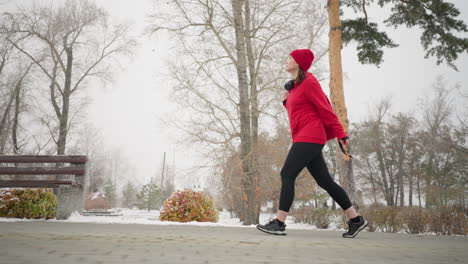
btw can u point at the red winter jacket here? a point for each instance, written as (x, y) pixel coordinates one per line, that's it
(311, 116)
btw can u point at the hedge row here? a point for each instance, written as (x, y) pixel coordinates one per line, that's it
(449, 220)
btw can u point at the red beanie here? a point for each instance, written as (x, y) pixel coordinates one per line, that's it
(303, 57)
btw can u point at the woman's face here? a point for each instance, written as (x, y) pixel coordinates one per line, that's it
(291, 64)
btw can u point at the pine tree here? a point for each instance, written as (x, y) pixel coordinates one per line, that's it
(148, 197)
(110, 192)
(438, 21)
(436, 18)
(129, 195)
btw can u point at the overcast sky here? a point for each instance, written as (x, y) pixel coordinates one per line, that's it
(127, 110)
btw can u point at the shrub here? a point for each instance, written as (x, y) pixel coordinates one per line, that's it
(188, 205)
(28, 203)
(302, 214)
(371, 214)
(339, 219)
(320, 217)
(449, 220)
(392, 222)
(443, 220)
(414, 220)
(385, 218)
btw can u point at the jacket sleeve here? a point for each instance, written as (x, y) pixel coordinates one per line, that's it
(317, 97)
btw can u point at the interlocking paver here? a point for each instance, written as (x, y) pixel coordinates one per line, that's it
(54, 242)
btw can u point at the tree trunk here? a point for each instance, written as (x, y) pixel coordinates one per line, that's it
(419, 189)
(62, 140)
(254, 115)
(371, 176)
(397, 193)
(63, 116)
(5, 121)
(248, 210)
(14, 129)
(410, 194)
(4, 135)
(336, 93)
(387, 192)
(430, 195)
(402, 191)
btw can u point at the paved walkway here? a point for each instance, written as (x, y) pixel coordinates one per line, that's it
(49, 242)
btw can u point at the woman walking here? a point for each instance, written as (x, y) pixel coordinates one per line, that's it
(312, 122)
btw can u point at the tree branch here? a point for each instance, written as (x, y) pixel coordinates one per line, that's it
(34, 60)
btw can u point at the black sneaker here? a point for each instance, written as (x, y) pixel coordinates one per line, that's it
(273, 227)
(355, 228)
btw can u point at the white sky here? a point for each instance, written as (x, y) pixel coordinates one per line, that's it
(128, 109)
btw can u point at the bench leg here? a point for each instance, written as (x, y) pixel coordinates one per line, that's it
(70, 199)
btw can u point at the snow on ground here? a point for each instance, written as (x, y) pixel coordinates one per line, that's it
(133, 216)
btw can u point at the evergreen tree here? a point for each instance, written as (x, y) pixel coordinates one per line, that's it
(110, 192)
(152, 197)
(148, 197)
(436, 18)
(129, 195)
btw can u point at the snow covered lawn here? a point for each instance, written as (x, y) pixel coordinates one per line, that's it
(133, 216)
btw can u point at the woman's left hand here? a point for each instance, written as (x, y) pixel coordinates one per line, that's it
(345, 141)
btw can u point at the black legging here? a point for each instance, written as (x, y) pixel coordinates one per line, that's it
(308, 155)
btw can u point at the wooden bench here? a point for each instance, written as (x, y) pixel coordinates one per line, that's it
(67, 173)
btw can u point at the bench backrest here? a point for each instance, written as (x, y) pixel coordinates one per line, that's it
(17, 165)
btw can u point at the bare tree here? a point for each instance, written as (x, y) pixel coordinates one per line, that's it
(446, 158)
(378, 162)
(12, 86)
(6, 91)
(18, 101)
(415, 173)
(91, 144)
(400, 153)
(251, 38)
(70, 44)
(400, 128)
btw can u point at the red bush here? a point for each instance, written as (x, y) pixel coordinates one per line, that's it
(189, 205)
